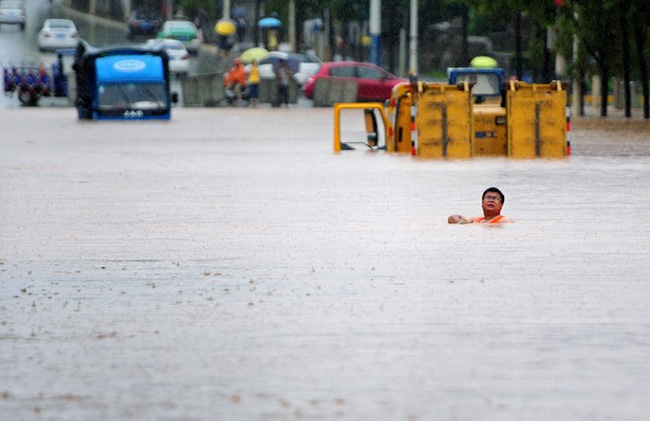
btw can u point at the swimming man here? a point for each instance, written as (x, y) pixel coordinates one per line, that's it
(491, 202)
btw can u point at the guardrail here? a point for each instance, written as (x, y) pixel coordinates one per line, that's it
(207, 91)
(328, 92)
(203, 90)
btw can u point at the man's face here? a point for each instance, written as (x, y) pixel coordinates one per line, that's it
(492, 203)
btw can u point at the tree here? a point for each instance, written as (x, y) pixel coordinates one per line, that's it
(640, 15)
(591, 21)
(511, 13)
(623, 18)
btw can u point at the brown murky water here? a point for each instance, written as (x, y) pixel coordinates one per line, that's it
(227, 265)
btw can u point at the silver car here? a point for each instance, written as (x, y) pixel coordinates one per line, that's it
(13, 12)
(179, 58)
(58, 33)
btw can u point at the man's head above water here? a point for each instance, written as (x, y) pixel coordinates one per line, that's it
(494, 190)
(491, 204)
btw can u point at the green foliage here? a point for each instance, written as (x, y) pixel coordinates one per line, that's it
(595, 22)
(191, 6)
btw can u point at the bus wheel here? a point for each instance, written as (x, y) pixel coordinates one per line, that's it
(83, 113)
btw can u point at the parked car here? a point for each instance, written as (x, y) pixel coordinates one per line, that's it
(13, 12)
(179, 58)
(375, 83)
(58, 33)
(306, 65)
(143, 23)
(184, 31)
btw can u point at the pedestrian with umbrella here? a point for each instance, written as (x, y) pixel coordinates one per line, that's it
(271, 25)
(254, 53)
(282, 76)
(225, 29)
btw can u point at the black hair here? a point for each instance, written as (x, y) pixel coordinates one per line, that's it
(494, 190)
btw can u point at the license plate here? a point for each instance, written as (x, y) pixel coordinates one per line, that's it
(60, 36)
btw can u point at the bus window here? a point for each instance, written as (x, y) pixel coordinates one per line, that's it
(132, 96)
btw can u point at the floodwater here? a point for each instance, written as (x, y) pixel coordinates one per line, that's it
(227, 265)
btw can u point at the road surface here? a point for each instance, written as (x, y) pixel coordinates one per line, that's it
(227, 265)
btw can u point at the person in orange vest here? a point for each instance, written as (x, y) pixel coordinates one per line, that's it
(235, 79)
(491, 202)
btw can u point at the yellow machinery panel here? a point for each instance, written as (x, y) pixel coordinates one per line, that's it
(536, 116)
(399, 138)
(369, 120)
(490, 130)
(444, 121)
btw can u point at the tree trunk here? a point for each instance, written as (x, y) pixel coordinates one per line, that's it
(519, 65)
(394, 25)
(583, 88)
(626, 57)
(256, 31)
(604, 88)
(464, 43)
(546, 62)
(640, 39)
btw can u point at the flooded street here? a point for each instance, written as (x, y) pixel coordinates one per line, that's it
(227, 265)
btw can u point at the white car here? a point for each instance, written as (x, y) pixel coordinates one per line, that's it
(307, 65)
(179, 57)
(183, 31)
(58, 33)
(13, 12)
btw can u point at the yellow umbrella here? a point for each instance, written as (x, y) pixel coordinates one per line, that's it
(225, 27)
(484, 62)
(255, 53)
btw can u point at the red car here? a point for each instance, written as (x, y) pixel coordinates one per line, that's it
(375, 83)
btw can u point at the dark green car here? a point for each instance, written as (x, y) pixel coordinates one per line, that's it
(184, 31)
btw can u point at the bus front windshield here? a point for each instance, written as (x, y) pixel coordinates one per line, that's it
(132, 96)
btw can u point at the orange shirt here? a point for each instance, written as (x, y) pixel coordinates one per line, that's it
(237, 75)
(480, 220)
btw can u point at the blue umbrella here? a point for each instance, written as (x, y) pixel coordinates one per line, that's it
(275, 57)
(269, 23)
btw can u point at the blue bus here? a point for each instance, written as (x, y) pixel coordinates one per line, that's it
(122, 83)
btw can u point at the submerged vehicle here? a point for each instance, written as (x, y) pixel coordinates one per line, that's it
(125, 83)
(476, 113)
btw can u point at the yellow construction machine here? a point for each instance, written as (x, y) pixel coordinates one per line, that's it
(476, 113)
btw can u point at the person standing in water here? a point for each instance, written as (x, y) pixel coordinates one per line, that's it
(254, 84)
(491, 203)
(282, 74)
